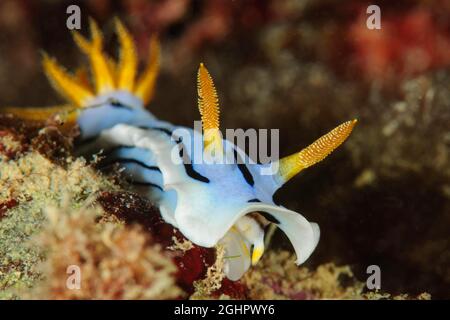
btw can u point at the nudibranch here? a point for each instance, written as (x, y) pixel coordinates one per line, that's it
(115, 93)
(216, 202)
(211, 201)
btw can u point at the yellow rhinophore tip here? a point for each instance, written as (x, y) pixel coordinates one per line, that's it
(256, 255)
(66, 84)
(208, 105)
(107, 74)
(145, 86)
(101, 68)
(127, 60)
(316, 152)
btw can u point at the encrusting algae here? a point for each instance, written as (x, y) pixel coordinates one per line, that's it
(214, 277)
(115, 261)
(31, 180)
(277, 278)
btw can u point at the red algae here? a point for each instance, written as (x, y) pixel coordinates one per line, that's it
(409, 43)
(233, 289)
(192, 266)
(6, 205)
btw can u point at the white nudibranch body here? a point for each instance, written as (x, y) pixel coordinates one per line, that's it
(210, 202)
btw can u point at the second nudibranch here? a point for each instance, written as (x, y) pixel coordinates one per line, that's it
(114, 93)
(210, 202)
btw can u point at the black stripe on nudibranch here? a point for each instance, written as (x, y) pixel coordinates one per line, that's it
(254, 200)
(190, 169)
(117, 104)
(108, 152)
(109, 158)
(269, 217)
(145, 184)
(86, 141)
(164, 130)
(244, 170)
(246, 173)
(194, 174)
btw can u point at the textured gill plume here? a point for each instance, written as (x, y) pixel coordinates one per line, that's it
(65, 84)
(145, 86)
(315, 152)
(127, 60)
(101, 65)
(208, 105)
